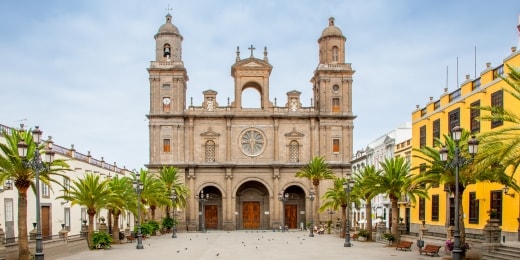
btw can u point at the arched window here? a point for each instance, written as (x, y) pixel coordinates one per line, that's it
(209, 148)
(335, 54)
(294, 151)
(167, 50)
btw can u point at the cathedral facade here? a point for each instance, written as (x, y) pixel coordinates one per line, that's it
(236, 161)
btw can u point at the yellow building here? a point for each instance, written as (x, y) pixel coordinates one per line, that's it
(435, 120)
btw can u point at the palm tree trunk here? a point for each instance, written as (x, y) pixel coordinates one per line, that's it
(91, 214)
(368, 217)
(152, 209)
(316, 216)
(115, 231)
(23, 243)
(395, 212)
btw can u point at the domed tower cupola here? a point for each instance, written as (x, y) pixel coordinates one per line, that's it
(168, 42)
(332, 44)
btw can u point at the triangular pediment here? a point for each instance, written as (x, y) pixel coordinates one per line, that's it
(294, 133)
(210, 133)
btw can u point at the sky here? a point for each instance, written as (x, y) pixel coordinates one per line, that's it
(78, 70)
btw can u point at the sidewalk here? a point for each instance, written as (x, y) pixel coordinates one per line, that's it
(249, 245)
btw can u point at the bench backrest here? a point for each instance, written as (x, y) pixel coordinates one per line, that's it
(432, 247)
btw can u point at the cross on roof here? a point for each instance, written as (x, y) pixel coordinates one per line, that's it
(168, 9)
(252, 49)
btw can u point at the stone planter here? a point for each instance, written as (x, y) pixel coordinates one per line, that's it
(362, 239)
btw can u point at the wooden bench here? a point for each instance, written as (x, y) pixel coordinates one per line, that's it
(430, 250)
(404, 246)
(355, 236)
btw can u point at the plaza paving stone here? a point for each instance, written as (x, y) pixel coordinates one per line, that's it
(249, 245)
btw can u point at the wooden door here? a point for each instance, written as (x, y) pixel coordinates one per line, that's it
(251, 214)
(211, 216)
(46, 220)
(291, 216)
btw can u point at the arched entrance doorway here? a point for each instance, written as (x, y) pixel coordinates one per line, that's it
(294, 207)
(212, 210)
(252, 204)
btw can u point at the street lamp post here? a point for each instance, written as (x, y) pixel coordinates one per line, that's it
(347, 187)
(330, 212)
(283, 197)
(202, 200)
(37, 165)
(311, 197)
(174, 197)
(138, 186)
(457, 162)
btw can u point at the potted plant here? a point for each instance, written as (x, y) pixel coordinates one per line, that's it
(101, 240)
(363, 235)
(493, 214)
(167, 224)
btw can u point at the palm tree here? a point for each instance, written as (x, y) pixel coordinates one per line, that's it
(503, 144)
(335, 198)
(122, 199)
(16, 168)
(396, 181)
(92, 193)
(363, 187)
(170, 178)
(316, 170)
(154, 192)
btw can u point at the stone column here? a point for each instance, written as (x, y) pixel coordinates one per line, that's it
(492, 233)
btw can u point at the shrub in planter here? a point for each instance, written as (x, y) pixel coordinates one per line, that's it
(101, 240)
(390, 237)
(146, 229)
(363, 233)
(155, 226)
(167, 223)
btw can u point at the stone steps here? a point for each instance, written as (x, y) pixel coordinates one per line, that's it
(502, 253)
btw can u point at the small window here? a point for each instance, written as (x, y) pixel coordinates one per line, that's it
(335, 145)
(497, 101)
(67, 218)
(476, 84)
(435, 207)
(66, 186)
(45, 190)
(335, 105)
(166, 145)
(453, 119)
(335, 88)
(436, 131)
(210, 151)
(498, 72)
(294, 151)
(422, 136)
(474, 117)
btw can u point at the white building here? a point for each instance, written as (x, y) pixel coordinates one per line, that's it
(55, 212)
(374, 153)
